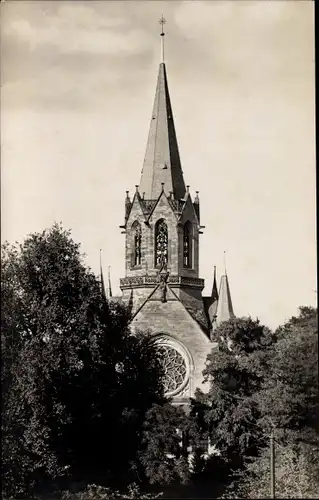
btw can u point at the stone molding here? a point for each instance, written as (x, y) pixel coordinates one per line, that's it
(150, 281)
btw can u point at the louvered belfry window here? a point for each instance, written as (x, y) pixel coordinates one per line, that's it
(137, 252)
(187, 245)
(161, 241)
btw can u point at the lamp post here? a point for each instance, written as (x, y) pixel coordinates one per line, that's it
(272, 465)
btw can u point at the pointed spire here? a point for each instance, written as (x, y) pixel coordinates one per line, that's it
(225, 307)
(109, 279)
(127, 205)
(214, 290)
(162, 161)
(212, 311)
(102, 279)
(196, 206)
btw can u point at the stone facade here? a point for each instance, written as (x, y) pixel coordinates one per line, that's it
(162, 284)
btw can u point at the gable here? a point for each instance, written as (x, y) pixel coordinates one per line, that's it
(170, 317)
(136, 212)
(163, 210)
(188, 212)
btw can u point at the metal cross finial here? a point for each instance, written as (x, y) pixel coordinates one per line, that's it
(162, 21)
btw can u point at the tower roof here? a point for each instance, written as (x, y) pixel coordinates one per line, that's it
(162, 162)
(214, 290)
(225, 307)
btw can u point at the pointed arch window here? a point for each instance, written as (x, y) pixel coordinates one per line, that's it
(161, 243)
(187, 245)
(137, 243)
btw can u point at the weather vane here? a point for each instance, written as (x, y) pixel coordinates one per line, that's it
(162, 21)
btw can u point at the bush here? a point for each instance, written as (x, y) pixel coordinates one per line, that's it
(94, 492)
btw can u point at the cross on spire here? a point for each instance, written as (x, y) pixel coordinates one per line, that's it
(162, 21)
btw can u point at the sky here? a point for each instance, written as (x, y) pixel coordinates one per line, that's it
(77, 87)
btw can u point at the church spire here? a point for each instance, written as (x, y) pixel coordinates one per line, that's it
(102, 279)
(162, 162)
(225, 307)
(214, 290)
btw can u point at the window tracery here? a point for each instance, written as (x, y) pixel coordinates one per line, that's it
(175, 366)
(161, 243)
(187, 245)
(137, 237)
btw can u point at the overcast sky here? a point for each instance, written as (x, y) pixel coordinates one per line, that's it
(77, 88)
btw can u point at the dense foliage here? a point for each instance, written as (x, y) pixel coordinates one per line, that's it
(289, 395)
(82, 396)
(297, 472)
(287, 402)
(75, 383)
(95, 492)
(235, 372)
(163, 453)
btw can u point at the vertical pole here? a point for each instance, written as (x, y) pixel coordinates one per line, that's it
(162, 21)
(162, 47)
(272, 465)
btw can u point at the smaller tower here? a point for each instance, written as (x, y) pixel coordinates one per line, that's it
(219, 306)
(224, 307)
(214, 290)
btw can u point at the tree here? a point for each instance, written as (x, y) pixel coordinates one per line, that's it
(297, 473)
(163, 454)
(76, 383)
(235, 372)
(287, 401)
(288, 397)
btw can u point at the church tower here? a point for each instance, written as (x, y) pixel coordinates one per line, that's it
(162, 232)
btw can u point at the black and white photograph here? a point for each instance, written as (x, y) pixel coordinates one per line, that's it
(159, 326)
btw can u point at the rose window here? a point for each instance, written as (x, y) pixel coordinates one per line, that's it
(174, 367)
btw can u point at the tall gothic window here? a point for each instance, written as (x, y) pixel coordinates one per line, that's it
(187, 245)
(137, 238)
(161, 240)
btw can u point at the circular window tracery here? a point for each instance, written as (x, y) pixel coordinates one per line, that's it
(175, 367)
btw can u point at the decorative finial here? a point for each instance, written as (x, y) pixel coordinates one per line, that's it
(225, 262)
(162, 21)
(136, 187)
(162, 183)
(101, 272)
(109, 280)
(187, 189)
